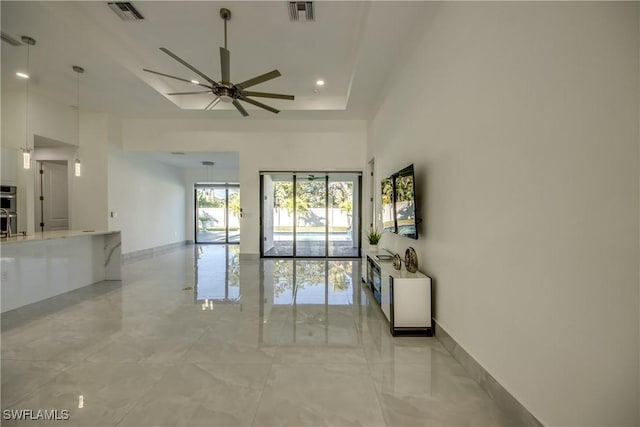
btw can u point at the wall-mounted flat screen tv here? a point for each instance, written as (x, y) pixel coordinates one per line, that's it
(405, 203)
(399, 207)
(388, 211)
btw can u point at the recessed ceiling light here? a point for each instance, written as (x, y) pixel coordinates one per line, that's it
(22, 75)
(320, 82)
(195, 82)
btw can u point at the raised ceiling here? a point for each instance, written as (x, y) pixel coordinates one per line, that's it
(352, 45)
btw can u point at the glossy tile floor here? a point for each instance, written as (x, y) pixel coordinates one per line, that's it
(274, 342)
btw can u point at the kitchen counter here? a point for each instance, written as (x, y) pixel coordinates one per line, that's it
(49, 235)
(46, 264)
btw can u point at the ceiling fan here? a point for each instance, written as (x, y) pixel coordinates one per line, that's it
(224, 90)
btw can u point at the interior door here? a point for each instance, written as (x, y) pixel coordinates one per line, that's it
(54, 203)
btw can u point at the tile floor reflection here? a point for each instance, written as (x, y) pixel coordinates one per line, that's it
(286, 342)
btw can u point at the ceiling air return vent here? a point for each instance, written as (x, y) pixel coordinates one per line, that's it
(125, 11)
(8, 39)
(301, 11)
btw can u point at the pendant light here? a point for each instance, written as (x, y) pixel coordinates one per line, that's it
(76, 163)
(209, 165)
(26, 151)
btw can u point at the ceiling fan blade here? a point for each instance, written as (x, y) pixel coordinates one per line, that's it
(268, 95)
(166, 75)
(240, 108)
(224, 65)
(174, 77)
(188, 93)
(259, 104)
(212, 103)
(256, 80)
(186, 64)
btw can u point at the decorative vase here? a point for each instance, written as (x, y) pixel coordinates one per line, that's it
(411, 260)
(373, 248)
(397, 262)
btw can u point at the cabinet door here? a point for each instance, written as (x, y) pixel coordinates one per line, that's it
(412, 303)
(10, 160)
(385, 302)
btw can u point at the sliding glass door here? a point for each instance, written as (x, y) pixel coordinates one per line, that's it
(310, 214)
(217, 213)
(344, 214)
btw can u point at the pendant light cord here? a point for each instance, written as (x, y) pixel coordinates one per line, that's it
(78, 112)
(79, 70)
(26, 120)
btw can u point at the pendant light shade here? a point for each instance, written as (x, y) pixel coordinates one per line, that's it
(76, 164)
(26, 158)
(26, 151)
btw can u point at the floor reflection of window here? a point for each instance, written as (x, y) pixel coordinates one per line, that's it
(217, 273)
(312, 282)
(309, 302)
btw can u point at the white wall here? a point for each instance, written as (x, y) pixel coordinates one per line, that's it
(57, 121)
(262, 145)
(89, 192)
(11, 160)
(149, 199)
(522, 122)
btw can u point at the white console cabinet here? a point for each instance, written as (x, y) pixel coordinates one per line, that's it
(405, 298)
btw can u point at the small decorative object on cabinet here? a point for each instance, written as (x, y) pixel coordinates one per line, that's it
(411, 260)
(374, 237)
(397, 262)
(404, 297)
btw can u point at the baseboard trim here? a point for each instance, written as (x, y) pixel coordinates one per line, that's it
(249, 256)
(498, 393)
(150, 252)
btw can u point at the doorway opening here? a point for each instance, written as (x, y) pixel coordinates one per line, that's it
(310, 214)
(217, 213)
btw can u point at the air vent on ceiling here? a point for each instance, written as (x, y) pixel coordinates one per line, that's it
(8, 39)
(301, 11)
(125, 10)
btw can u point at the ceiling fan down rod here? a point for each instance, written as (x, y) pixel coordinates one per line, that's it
(225, 14)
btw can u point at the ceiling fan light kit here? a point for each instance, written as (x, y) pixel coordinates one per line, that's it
(225, 90)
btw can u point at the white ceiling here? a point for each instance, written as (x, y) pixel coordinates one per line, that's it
(352, 45)
(221, 160)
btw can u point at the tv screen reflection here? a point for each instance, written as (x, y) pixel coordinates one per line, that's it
(388, 223)
(405, 206)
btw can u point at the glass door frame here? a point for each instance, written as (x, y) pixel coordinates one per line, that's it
(327, 175)
(226, 188)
